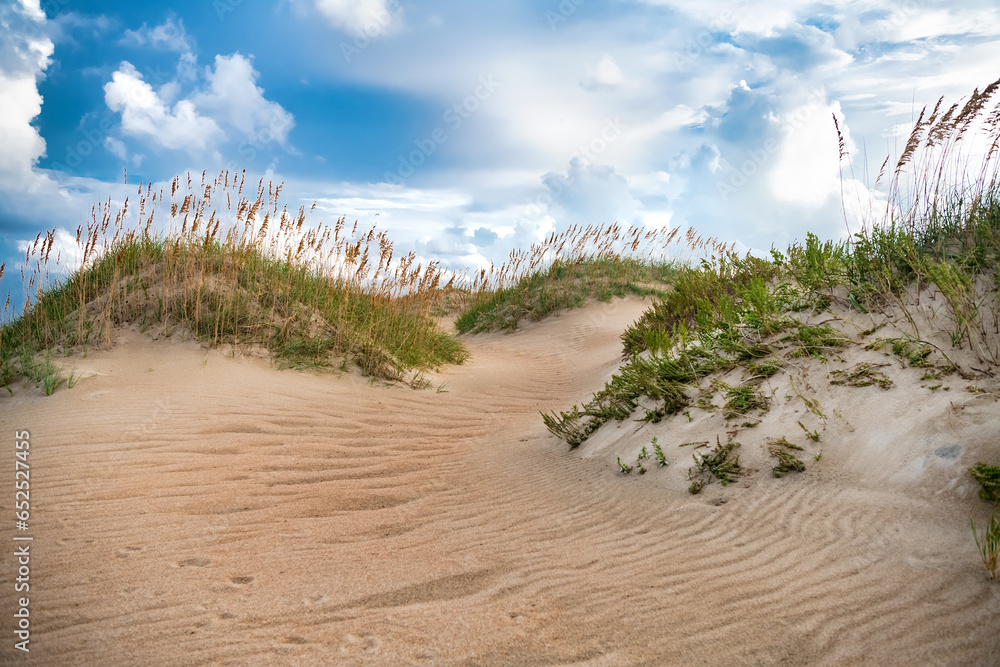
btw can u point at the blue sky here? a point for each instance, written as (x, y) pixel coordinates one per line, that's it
(468, 128)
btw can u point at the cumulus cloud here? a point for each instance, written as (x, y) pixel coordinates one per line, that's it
(145, 114)
(797, 47)
(25, 53)
(748, 113)
(28, 195)
(369, 17)
(806, 165)
(713, 94)
(233, 96)
(591, 194)
(169, 36)
(116, 147)
(229, 105)
(32, 9)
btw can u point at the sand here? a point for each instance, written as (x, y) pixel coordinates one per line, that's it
(189, 507)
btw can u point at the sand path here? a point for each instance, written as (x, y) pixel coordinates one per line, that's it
(189, 508)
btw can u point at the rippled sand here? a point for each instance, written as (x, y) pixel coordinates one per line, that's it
(192, 508)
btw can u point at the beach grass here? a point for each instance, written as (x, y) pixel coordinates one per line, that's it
(939, 235)
(562, 286)
(225, 262)
(246, 274)
(988, 543)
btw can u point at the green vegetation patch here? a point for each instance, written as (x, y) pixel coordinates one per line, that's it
(783, 450)
(989, 479)
(741, 399)
(913, 352)
(562, 286)
(721, 463)
(815, 341)
(988, 544)
(660, 380)
(36, 367)
(334, 293)
(765, 368)
(861, 375)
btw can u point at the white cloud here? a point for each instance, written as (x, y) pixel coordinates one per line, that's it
(73, 28)
(591, 194)
(22, 143)
(25, 53)
(116, 147)
(681, 116)
(709, 82)
(910, 23)
(66, 255)
(169, 35)
(187, 67)
(606, 74)
(230, 102)
(807, 164)
(733, 16)
(232, 96)
(33, 10)
(29, 195)
(373, 18)
(145, 115)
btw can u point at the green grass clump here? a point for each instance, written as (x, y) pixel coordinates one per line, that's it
(765, 368)
(989, 479)
(720, 463)
(742, 399)
(564, 285)
(812, 435)
(661, 380)
(573, 426)
(989, 544)
(23, 362)
(913, 352)
(624, 467)
(815, 341)
(787, 461)
(861, 375)
(661, 458)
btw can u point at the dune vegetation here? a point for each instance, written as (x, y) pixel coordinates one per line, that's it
(225, 262)
(925, 270)
(249, 275)
(233, 266)
(940, 238)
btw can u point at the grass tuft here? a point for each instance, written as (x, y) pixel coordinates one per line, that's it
(989, 479)
(720, 463)
(989, 544)
(787, 461)
(861, 375)
(741, 400)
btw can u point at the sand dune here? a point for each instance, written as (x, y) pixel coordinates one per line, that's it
(194, 508)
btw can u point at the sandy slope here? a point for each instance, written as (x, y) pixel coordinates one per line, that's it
(190, 508)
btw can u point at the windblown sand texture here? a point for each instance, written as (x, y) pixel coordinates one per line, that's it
(194, 508)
